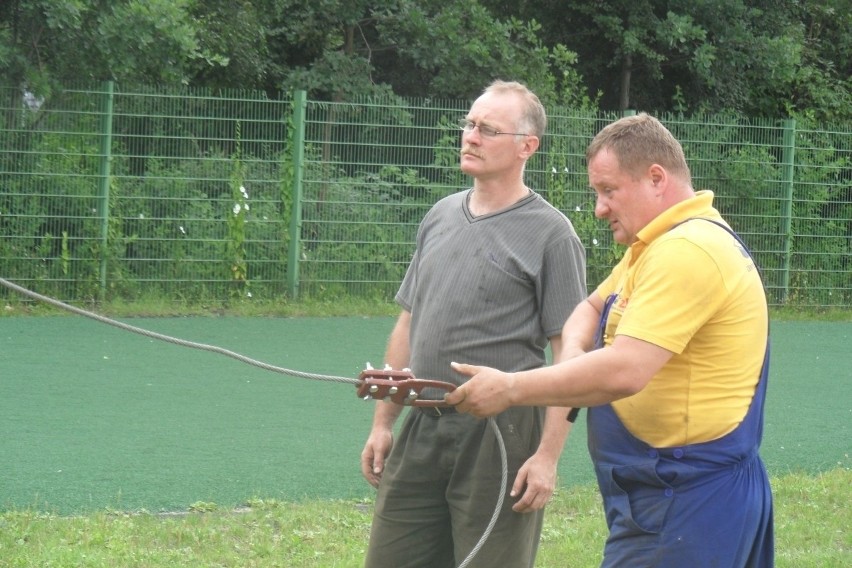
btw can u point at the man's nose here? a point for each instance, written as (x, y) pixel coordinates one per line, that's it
(473, 135)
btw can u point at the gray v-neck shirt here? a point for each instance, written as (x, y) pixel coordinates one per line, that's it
(490, 290)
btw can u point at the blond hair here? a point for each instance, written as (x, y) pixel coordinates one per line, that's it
(639, 141)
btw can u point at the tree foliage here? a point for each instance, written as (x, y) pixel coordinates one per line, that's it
(50, 42)
(757, 57)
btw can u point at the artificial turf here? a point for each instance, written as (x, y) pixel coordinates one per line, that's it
(93, 417)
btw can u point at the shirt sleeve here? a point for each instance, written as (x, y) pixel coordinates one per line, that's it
(405, 294)
(563, 283)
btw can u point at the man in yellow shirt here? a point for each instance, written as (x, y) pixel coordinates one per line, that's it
(670, 354)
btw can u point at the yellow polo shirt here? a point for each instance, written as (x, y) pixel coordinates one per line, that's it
(694, 291)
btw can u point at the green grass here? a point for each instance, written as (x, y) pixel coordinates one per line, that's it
(309, 307)
(792, 313)
(812, 524)
(164, 307)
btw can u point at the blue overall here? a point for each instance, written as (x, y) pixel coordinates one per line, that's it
(700, 505)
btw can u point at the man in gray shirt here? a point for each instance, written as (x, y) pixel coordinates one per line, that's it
(496, 272)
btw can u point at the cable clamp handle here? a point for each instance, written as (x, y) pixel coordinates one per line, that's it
(400, 387)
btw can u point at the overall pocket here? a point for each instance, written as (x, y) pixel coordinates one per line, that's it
(635, 498)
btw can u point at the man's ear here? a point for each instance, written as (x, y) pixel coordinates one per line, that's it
(531, 144)
(659, 176)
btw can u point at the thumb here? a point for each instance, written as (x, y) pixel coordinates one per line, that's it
(520, 483)
(378, 465)
(455, 397)
(464, 369)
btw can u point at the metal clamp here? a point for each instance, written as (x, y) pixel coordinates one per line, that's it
(400, 387)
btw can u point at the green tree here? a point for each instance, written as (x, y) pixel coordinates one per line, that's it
(44, 43)
(757, 57)
(324, 46)
(452, 49)
(438, 49)
(233, 35)
(822, 87)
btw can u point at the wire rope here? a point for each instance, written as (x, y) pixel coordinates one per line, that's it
(504, 477)
(175, 340)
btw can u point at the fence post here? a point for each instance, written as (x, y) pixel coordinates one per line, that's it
(788, 172)
(299, 107)
(104, 177)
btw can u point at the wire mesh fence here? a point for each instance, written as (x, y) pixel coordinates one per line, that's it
(196, 196)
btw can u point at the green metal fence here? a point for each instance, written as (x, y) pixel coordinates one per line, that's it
(198, 196)
(125, 194)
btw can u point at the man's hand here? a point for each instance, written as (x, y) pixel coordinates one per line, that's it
(487, 392)
(534, 484)
(373, 455)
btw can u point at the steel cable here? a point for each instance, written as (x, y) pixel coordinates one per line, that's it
(503, 483)
(175, 340)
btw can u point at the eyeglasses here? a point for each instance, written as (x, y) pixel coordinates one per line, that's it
(485, 130)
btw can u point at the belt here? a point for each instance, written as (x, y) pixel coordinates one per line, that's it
(436, 411)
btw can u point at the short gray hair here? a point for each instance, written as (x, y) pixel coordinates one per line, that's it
(533, 117)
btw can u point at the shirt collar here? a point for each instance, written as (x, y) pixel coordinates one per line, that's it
(662, 223)
(692, 207)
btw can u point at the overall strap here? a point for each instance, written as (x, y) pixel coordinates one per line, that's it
(727, 228)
